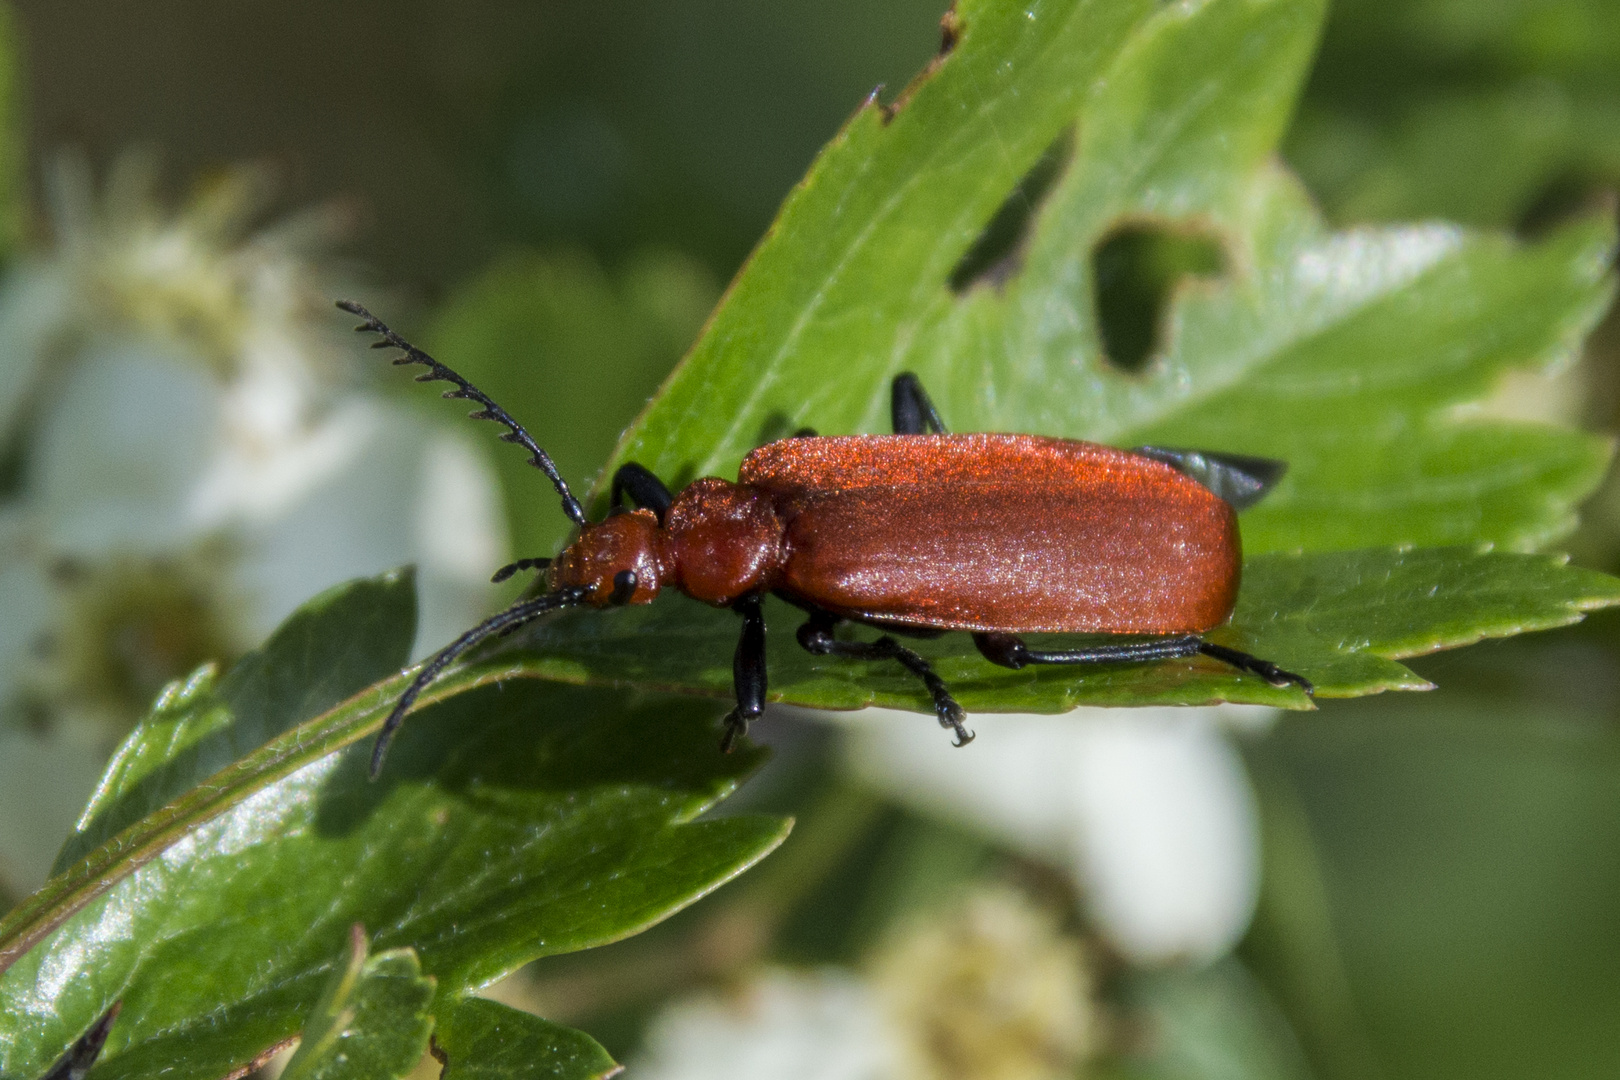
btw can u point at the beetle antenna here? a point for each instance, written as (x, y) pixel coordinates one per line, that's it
(503, 623)
(437, 372)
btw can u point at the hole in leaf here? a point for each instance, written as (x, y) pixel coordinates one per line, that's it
(998, 252)
(1136, 269)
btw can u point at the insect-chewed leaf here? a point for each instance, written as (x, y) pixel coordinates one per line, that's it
(520, 820)
(484, 1040)
(1357, 357)
(371, 1021)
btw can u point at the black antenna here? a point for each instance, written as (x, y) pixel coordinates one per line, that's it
(507, 621)
(437, 372)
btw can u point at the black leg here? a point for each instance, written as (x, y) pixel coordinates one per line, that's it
(910, 411)
(747, 672)
(1009, 650)
(644, 489)
(1268, 671)
(817, 638)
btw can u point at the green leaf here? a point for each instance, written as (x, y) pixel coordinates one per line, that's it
(13, 148)
(372, 1020)
(1493, 114)
(1359, 357)
(484, 1040)
(516, 821)
(1342, 619)
(331, 648)
(1345, 354)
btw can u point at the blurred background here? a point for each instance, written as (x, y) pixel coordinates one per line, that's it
(551, 194)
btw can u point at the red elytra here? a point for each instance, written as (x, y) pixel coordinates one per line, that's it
(920, 532)
(999, 533)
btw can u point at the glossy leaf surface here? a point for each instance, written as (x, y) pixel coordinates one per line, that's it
(1341, 618)
(371, 1022)
(1363, 358)
(520, 820)
(484, 1040)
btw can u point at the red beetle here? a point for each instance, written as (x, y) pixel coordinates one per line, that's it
(919, 532)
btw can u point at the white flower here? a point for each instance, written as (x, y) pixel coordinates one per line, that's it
(988, 988)
(785, 1025)
(199, 461)
(1148, 809)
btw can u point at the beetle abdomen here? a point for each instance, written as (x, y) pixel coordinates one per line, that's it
(999, 532)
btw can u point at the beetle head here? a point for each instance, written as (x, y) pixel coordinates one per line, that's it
(621, 560)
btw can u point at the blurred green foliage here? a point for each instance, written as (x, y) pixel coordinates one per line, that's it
(1440, 871)
(575, 352)
(216, 917)
(1499, 114)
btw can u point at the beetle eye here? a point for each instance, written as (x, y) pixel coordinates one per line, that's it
(624, 587)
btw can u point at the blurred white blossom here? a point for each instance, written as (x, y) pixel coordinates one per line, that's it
(992, 990)
(786, 1025)
(198, 456)
(1149, 810)
(986, 989)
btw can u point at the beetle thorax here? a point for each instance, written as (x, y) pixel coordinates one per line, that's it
(723, 541)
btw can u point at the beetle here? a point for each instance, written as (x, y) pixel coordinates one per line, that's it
(918, 533)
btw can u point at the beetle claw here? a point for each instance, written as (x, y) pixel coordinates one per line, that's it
(736, 728)
(1278, 677)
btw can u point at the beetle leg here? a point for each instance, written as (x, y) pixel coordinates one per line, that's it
(1268, 671)
(817, 638)
(644, 489)
(747, 672)
(1009, 650)
(910, 410)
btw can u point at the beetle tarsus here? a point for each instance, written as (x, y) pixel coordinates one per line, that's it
(747, 672)
(1268, 671)
(1009, 650)
(816, 638)
(735, 728)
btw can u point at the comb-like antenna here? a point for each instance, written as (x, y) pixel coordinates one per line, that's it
(513, 617)
(437, 372)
